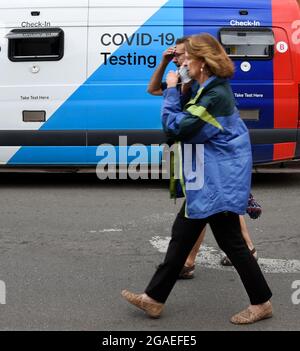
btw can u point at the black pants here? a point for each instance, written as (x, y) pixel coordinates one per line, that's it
(227, 232)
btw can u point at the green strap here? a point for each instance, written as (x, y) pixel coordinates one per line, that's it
(195, 99)
(180, 161)
(172, 177)
(201, 112)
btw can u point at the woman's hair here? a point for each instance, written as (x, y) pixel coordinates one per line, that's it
(206, 47)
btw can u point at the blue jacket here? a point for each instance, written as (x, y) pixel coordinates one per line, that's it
(214, 153)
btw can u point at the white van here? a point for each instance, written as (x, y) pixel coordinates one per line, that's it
(74, 73)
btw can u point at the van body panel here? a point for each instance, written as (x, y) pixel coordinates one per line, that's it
(235, 4)
(42, 85)
(98, 89)
(134, 3)
(34, 4)
(127, 17)
(48, 18)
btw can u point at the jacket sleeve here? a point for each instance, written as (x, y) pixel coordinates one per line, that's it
(194, 120)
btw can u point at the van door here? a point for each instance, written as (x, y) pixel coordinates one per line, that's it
(43, 65)
(257, 36)
(265, 88)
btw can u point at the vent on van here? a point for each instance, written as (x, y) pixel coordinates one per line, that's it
(249, 115)
(255, 43)
(36, 44)
(34, 116)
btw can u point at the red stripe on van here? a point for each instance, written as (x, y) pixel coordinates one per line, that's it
(284, 66)
(299, 105)
(284, 151)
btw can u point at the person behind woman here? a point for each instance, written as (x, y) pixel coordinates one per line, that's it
(209, 118)
(188, 269)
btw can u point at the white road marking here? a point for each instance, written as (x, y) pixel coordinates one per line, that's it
(110, 230)
(209, 257)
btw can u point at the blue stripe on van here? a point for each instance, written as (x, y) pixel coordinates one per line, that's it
(262, 153)
(50, 155)
(115, 96)
(130, 155)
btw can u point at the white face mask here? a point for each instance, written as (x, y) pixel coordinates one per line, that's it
(184, 75)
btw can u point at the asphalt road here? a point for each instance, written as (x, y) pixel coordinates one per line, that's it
(70, 243)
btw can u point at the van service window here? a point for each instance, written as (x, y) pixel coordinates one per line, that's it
(255, 43)
(36, 44)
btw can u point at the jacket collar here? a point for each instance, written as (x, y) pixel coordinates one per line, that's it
(207, 82)
(212, 82)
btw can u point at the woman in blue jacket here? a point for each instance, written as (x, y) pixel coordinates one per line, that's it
(213, 173)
